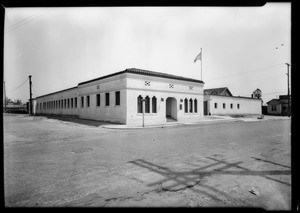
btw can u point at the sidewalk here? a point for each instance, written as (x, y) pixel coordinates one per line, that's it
(206, 119)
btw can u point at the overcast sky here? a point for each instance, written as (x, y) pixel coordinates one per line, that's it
(244, 48)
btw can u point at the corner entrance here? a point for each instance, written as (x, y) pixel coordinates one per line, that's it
(171, 109)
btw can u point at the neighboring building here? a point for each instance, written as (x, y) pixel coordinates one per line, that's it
(279, 106)
(16, 108)
(220, 101)
(123, 96)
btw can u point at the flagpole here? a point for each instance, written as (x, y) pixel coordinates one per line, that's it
(201, 63)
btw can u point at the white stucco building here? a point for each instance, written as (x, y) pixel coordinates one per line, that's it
(121, 97)
(220, 101)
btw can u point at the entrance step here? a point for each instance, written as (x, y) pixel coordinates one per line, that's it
(170, 119)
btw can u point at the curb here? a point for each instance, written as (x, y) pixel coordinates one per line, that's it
(169, 125)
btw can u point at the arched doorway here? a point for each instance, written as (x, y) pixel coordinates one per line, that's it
(171, 109)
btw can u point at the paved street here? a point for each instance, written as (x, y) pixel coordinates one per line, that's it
(49, 162)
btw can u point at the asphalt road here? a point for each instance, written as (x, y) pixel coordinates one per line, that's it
(49, 162)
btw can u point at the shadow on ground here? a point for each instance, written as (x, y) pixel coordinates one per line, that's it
(77, 120)
(175, 181)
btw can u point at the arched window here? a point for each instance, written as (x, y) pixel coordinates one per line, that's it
(140, 104)
(195, 105)
(147, 104)
(186, 105)
(191, 105)
(153, 104)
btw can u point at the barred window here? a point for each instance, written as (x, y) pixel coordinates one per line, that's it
(191, 105)
(153, 104)
(147, 104)
(118, 98)
(106, 99)
(139, 104)
(195, 105)
(98, 100)
(87, 101)
(186, 105)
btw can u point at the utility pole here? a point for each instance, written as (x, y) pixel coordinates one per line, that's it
(4, 96)
(288, 83)
(30, 96)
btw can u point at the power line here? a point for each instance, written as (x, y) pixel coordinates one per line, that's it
(18, 86)
(245, 83)
(263, 94)
(19, 24)
(254, 70)
(13, 25)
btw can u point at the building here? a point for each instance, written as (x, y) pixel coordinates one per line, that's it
(279, 106)
(16, 108)
(122, 97)
(142, 97)
(220, 101)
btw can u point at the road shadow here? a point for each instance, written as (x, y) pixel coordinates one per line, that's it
(73, 119)
(191, 178)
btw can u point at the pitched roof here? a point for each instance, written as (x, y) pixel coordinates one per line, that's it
(56, 92)
(277, 101)
(217, 91)
(147, 73)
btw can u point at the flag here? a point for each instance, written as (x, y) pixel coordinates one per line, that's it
(198, 57)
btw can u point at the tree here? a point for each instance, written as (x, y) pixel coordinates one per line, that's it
(7, 100)
(18, 102)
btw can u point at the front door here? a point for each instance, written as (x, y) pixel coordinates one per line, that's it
(171, 109)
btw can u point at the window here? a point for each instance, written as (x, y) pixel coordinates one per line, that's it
(118, 98)
(224, 105)
(238, 106)
(231, 106)
(216, 105)
(195, 105)
(98, 99)
(71, 102)
(82, 101)
(186, 105)
(147, 104)
(75, 102)
(191, 105)
(87, 101)
(273, 108)
(106, 99)
(65, 106)
(153, 104)
(68, 103)
(139, 104)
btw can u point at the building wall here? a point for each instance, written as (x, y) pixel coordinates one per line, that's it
(246, 105)
(162, 89)
(113, 112)
(277, 111)
(49, 105)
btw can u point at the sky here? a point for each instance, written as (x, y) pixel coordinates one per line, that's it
(243, 48)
